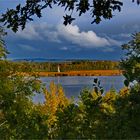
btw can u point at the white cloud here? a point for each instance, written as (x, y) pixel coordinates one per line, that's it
(125, 35)
(122, 36)
(108, 49)
(29, 33)
(87, 39)
(70, 33)
(64, 48)
(52, 36)
(27, 47)
(114, 42)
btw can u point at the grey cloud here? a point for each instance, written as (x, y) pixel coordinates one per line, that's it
(87, 39)
(71, 34)
(27, 47)
(64, 48)
(29, 33)
(84, 39)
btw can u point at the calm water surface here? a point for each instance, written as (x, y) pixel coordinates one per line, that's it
(72, 85)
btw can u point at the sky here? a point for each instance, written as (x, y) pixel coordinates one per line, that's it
(49, 38)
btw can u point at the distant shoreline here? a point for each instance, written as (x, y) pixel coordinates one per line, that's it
(82, 73)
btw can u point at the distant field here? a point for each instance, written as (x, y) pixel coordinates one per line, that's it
(83, 73)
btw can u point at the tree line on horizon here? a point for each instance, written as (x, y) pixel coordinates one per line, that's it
(66, 66)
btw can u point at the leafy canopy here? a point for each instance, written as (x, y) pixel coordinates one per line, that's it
(131, 61)
(19, 117)
(99, 9)
(3, 50)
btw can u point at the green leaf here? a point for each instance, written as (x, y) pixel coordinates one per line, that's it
(95, 80)
(126, 83)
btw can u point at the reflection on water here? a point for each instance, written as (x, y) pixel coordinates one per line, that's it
(74, 84)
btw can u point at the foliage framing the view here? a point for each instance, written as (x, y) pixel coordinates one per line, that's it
(19, 117)
(3, 50)
(131, 62)
(99, 9)
(95, 116)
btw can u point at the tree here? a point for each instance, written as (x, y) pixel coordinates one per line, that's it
(99, 9)
(131, 62)
(3, 50)
(127, 106)
(19, 117)
(98, 116)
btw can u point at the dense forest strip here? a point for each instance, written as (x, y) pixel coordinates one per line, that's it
(84, 65)
(74, 68)
(83, 73)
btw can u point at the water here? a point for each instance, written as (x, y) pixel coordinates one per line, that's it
(72, 85)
